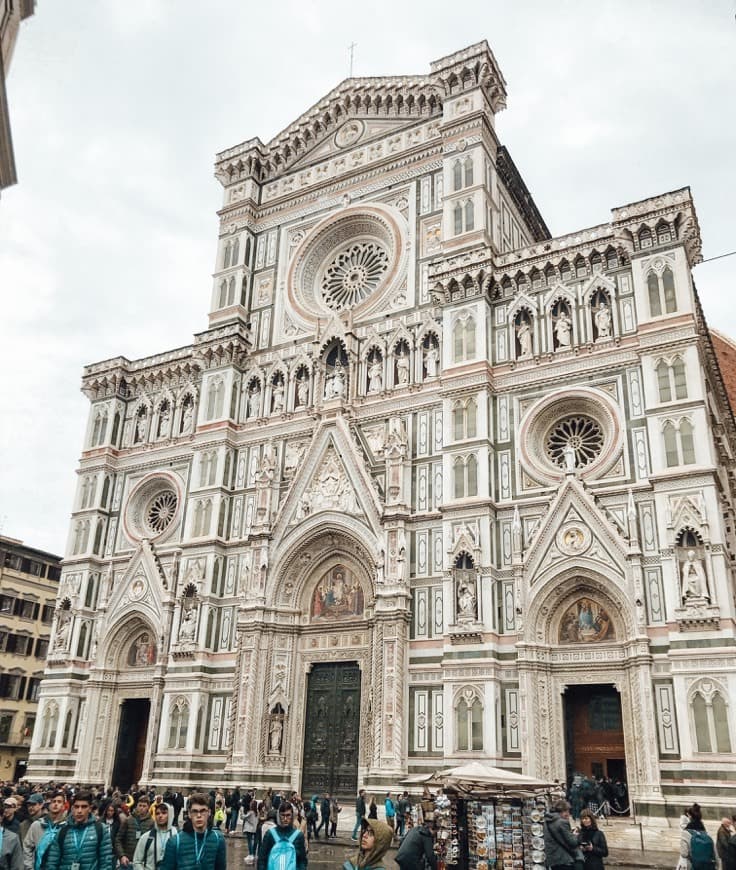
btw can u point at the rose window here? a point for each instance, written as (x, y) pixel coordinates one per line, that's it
(161, 511)
(353, 275)
(582, 434)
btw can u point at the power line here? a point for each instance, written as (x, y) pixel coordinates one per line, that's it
(719, 257)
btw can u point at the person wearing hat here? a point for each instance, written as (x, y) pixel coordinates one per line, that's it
(43, 831)
(10, 822)
(375, 841)
(34, 807)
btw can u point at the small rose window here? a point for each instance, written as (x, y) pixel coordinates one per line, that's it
(580, 432)
(161, 511)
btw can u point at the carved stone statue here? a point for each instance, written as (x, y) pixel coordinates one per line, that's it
(335, 383)
(563, 330)
(275, 734)
(63, 627)
(188, 624)
(140, 428)
(375, 375)
(524, 334)
(278, 398)
(431, 361)
(568, 452)
(254, 401)
(694, 584)
(164, 421)
(466, 601)
(302, 391)
(187, 422)
(603, 321)
(402, 369)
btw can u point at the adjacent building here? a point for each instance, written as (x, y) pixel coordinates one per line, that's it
(432, 485)
(12, 12)
(29, 585)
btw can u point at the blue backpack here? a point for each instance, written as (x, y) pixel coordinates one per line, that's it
(702, 853)
(283, 852)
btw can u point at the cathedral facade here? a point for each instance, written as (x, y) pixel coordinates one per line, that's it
(433, 485)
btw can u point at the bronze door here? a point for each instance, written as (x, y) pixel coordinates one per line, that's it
(332, 729)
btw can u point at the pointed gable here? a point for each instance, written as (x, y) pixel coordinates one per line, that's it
(142, 588)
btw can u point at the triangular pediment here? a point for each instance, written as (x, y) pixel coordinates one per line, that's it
(331, 477)
(575, 529)
(142, 587)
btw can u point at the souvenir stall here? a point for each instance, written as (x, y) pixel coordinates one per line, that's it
(487, 818)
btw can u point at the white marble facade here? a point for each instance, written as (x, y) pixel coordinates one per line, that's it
(408, 387)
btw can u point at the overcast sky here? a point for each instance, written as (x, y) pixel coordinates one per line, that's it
(107, 243)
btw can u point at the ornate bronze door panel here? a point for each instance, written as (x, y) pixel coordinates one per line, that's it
(332, 729)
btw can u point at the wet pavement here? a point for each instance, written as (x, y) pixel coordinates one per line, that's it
(332, 854)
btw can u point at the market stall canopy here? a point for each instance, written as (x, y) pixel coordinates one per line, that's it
(486, 777)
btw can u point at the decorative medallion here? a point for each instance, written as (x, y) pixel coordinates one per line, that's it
(137, 588)
(349, 133)
(573, 539)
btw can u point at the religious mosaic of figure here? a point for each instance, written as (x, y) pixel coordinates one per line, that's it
(586, 621)
(142, 652)
(337, 595)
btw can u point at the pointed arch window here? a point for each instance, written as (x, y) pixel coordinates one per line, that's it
(179, 724)
(463, 217)
(463, 339)
(222, 298)
(464, 419)
(679, 443)
(709, 709)
(671, 380)
(50, 725)
(465, 476)
(215, 399)
(469, 722)
(661, 291)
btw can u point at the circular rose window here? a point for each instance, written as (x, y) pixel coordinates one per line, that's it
(153, 507)
(582, 434)
(161, 511)
(581, 423)
(353, 260)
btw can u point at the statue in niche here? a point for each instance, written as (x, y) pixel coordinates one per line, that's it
(335, 382)
(466, 600)
(254, 400)
(140, 426)
(188, 624)
(603, 321)
(275, 735)
(278, 400)
(402, 368)
(431, 361)
(302, 391)
(694, 585)
(187, 420)
(563, 329)
(524, 335)
(164, 420)
(63, 628)
(375, 375)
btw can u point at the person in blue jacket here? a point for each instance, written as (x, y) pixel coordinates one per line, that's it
(198, 846)
(83, 843)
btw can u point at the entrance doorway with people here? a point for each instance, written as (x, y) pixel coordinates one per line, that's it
(332, 730)
(594, 735)
(131, 746)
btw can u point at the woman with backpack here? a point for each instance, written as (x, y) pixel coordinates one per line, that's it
(697, 851)
(592, 841)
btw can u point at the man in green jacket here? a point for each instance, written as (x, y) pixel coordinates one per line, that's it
(83, 843)
(132, 829)
(198, 846)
